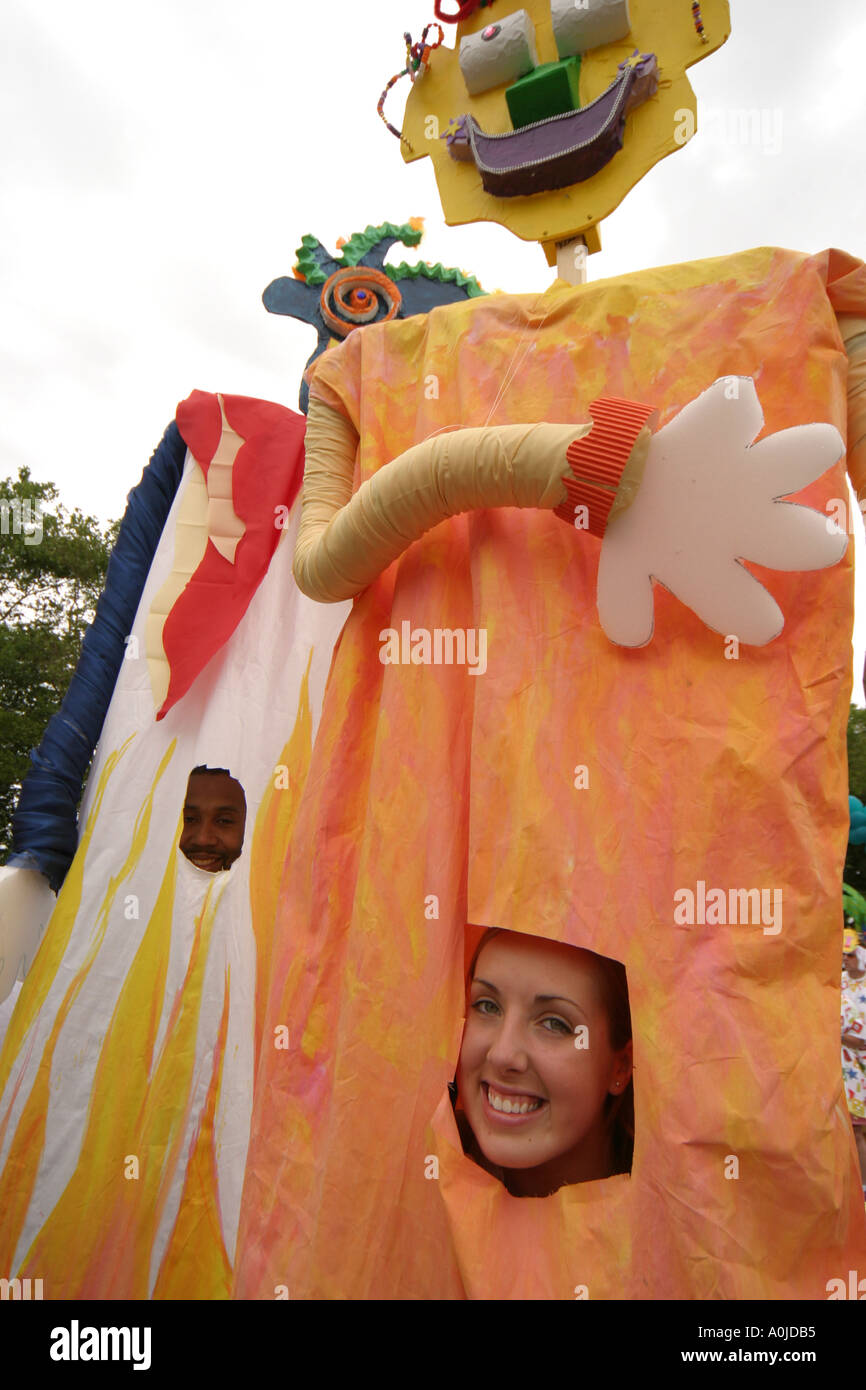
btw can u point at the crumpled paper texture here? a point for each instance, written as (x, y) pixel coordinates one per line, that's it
(435, 799)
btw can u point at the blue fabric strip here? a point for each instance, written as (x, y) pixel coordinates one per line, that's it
(45, 822)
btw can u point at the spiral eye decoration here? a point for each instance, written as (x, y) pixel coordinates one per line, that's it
(357, 295)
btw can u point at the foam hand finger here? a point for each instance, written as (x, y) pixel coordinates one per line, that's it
(725, 418)
(728, 599)
(794, 458)
(624, 598)
(785, 536)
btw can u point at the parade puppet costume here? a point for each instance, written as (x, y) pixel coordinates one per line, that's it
(676, 803)
(127, 1067)
(450, 800)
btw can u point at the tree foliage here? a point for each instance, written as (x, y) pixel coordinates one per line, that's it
(855, 860)
(857, 752)
(52, 570)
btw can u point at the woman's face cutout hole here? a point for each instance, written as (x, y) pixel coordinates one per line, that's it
(544, 1076)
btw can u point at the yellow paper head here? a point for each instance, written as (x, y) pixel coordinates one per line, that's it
(504, 83)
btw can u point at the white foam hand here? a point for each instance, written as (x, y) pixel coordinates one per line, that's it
(710, 498)
(26, 903)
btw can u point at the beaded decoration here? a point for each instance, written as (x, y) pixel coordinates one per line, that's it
(699, 23)
(417, 63)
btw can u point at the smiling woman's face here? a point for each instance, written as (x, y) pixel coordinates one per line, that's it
(534, 1096)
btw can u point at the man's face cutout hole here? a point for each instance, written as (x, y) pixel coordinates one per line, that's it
(214, 818)
(544, 1092)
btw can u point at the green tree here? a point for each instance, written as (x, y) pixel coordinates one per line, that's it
(857, 752)
(52, 570)
(855, 859)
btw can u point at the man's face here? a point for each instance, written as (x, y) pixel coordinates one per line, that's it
(214, 816)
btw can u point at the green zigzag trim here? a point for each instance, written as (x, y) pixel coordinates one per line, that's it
(306, 263)
(360, 243)
(439, 272)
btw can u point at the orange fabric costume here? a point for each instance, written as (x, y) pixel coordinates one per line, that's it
(571, 790)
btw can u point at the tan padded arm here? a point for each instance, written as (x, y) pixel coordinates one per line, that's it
(344, 542)
(853, 332)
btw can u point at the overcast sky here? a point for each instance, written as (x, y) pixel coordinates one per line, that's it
(161, 162)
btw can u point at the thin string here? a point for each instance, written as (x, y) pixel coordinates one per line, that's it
(511, 370)
(514, 365)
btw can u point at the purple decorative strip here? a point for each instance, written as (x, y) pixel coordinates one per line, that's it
(562, 150)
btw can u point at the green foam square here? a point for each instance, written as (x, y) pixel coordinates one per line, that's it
(549, 90)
